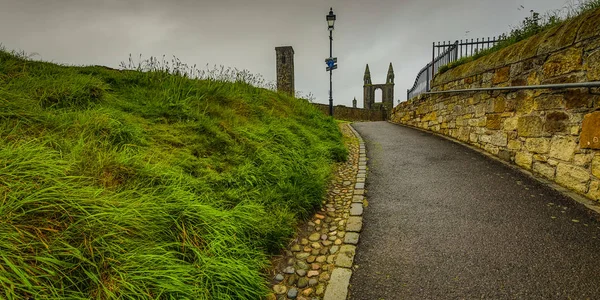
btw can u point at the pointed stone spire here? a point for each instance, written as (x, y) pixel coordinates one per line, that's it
(390, 74)
(367, 77)
(354, 102)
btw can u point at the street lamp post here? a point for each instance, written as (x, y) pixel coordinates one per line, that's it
(331, 60)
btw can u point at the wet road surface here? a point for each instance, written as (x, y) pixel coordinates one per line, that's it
(446, 222)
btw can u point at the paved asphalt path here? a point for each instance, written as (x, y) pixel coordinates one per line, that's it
(445, 222)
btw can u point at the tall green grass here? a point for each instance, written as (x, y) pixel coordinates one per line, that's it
(148, 184)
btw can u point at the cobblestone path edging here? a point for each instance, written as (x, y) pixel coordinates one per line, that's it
(318, 263)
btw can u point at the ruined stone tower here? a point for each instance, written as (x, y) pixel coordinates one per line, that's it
(285, 69)
(387, 89)
(354, 102)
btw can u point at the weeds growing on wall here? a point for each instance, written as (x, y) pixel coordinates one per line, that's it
(532, 25)
(150, 183)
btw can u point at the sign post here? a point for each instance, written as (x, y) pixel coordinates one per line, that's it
(331, 61)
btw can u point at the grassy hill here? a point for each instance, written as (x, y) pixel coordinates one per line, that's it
(148, 185)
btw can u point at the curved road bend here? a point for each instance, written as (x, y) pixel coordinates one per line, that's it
(445, 222)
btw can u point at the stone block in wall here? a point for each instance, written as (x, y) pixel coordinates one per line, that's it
(596, 166)
(501, 75)
(574, 77)
(474, 122)
(516, 69)
(467, 110)
(524, 160)
(583, 159)
(538, 145)
(563, 147)
(530, 126)
(487, 77)
(590, 131)
(577, 118)
(514, 145)
(474, 137)
(533, 78)
(556, 122)
(496, 105)
(548, 102)
(450, 107)
(564, 62)
(480, 130)
(519, 81)
(457, 110)
(547, 171)
(594, 192)
(534, 63)
(480, 110)
(475, 99)
(491, 149)
(510, 105)
(493, 121)
(481, 122)
(575, 99)
(499, 139)
(505, 155)
(464, 133)
(525, 103)
(575, 178)
(511, 123)
(485, 139)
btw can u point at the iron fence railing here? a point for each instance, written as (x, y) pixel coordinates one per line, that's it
(467, 48)
(423, 80)
(445, 53)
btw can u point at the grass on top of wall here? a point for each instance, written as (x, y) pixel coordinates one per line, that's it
(150, 185)
(531, 26)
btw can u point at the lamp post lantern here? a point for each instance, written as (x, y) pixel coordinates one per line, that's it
(331, 61)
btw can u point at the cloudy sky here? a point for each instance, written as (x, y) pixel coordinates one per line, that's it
(244, 34)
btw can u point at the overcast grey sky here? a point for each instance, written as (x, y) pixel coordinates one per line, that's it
(244, 34)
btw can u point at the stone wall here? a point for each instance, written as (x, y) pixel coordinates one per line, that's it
(353, 114)
(553, 133)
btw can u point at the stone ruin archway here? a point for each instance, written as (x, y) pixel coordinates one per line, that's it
(387, 89)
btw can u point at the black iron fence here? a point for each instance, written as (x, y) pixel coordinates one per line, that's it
(444, 54)
(423, 80)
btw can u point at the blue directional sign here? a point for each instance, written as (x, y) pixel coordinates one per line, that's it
(331, 63)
